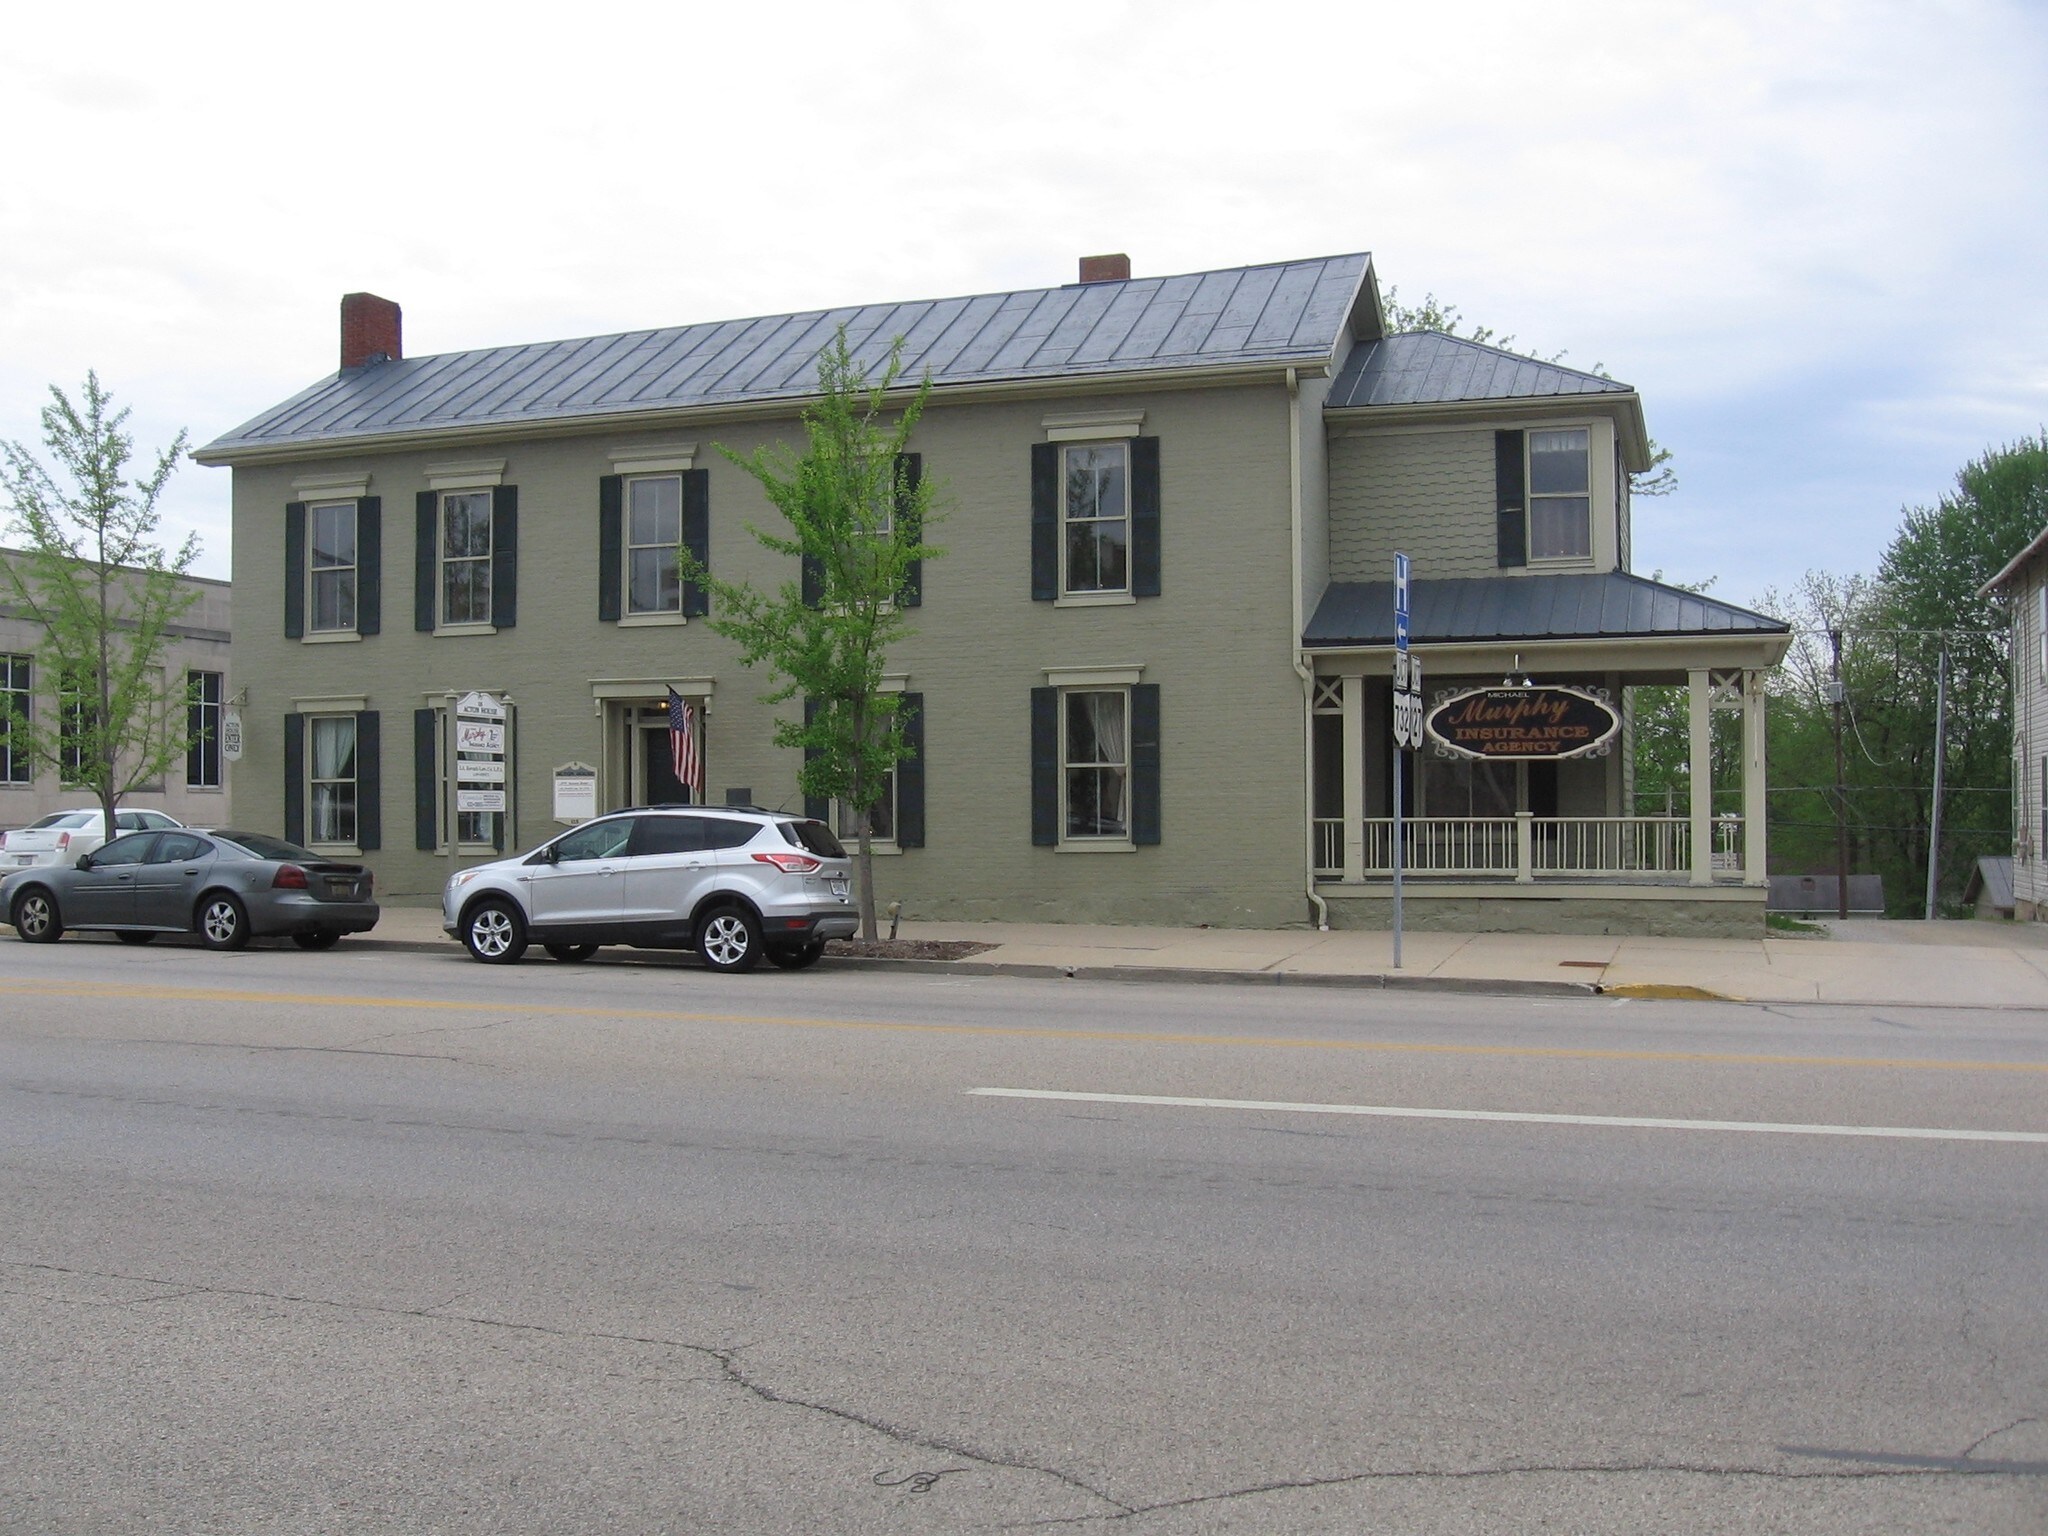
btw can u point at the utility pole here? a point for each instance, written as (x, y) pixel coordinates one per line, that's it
(1837, 696)
(1940, 757)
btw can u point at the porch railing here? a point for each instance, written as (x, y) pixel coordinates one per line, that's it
(1530, 847)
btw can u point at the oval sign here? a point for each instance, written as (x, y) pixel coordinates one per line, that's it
(1523, 722)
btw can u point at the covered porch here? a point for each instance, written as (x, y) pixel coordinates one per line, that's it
(1562, 841)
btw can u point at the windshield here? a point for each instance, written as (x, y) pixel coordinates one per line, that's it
(263, 846)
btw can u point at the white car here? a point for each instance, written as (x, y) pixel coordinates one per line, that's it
(62, 836)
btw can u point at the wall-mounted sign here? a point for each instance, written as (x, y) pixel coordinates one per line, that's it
(473, 770)
(1523, 722)
(231, 735)
(471, 736)
(479, 799)
(575, 792)
(479, 706)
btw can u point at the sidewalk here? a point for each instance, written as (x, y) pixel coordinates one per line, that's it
(1979, 965)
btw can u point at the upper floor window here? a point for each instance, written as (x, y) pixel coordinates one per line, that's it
(15, 701)
(654, 535)
(332, 567)
(203, 693)
(1560, 494)
(465, 557)
(1095, 516)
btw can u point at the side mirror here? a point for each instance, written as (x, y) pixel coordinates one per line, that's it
(84, 861)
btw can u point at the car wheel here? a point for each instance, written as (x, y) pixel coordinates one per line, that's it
(728, 939)
(795, 958)
(495, 933)
(569, 954)
(223, 922)
(317, 938)
(35, 917)
(134, 936)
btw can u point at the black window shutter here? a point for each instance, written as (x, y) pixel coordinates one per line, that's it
(427, 512)
(814, 581)
(426, 784)
(1045, 522)
(369, 782)
(370, 565)
(295, 779)
(611, 544)
(1510, 503)
(909, 529)
(505, 556)
(910, 773)
(1045, 767)
(1145, 764)
(294, 570)
(1144, 517)
(697, 537)
(815, 808)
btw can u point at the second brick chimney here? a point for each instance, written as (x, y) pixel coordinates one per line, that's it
(369, 330)
(1106, 269)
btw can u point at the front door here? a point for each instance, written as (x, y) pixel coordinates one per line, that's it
(105, 893)
(582, 885)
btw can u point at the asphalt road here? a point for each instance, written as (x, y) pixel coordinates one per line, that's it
(399, 1243)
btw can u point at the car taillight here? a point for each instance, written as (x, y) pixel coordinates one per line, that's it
(289, 877)
(63, 841)
(790, 863)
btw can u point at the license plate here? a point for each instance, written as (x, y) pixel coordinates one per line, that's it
(24, 858)
(838, 885)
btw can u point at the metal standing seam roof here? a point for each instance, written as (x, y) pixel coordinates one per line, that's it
(1431, 368)
(1586, 605)
(1279, 313)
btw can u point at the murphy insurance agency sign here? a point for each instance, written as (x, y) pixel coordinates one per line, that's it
(1523, 723)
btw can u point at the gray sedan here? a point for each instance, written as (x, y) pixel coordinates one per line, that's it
(227, 887)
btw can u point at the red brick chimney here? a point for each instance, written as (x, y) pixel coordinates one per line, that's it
(1106, 269)
(369, 330)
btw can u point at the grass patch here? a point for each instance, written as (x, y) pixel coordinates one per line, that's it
(1784, 922)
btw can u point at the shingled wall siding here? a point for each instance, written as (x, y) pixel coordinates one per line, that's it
(1429, 495)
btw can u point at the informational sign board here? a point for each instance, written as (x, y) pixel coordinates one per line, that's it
(479, 706)
(575, 792)
(1545, 724)
(231, 735)
(475, 770)
(1407, 700)
(479, 800)
(474, 736)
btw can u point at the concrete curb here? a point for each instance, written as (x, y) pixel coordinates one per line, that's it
(1179, 974)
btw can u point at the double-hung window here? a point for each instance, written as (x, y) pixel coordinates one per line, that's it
(1560, 494)
(1095, 517)
(331, 779)
(16, 698)
(332, 566)
(881, 816)
(654, 535)
(466, 557)
(1095, 763)
(203, 711)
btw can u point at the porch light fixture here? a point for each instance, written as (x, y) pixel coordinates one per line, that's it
(1516, 677)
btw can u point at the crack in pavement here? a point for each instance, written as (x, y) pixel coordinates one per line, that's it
(727, 1360)
(1975, 1445)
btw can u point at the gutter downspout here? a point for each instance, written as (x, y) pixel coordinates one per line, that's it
(1301, 667)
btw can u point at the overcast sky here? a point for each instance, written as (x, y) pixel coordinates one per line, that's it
(1813, 235)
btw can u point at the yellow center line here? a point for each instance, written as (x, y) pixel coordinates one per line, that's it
(998, 1031)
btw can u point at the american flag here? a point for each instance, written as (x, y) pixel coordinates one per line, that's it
(682, 743)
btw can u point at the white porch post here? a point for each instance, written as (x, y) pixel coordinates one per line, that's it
(1699, 700)
(1755, 803)
(1354, 779)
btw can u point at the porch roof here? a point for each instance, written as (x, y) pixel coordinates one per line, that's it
(1579, 605)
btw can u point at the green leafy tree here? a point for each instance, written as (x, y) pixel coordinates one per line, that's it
(856, 522)
(1432, 314)
(90, 572)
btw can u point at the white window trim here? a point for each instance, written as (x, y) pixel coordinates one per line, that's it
(1529, 498)
(441, 562)
(335, 709)
(1070, 681)
(649, 620)
(654, 459)
(331, 488)
(1066, 596)
(443, 630)
(354, 630)
(1093, 426)
(476, 475)
(627, 616)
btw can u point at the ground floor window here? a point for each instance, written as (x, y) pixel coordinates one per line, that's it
(16, 699)
(1095, 763)
(881, 816)
(331, 779)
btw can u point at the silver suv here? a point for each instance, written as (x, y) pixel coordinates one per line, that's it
(731, 883)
